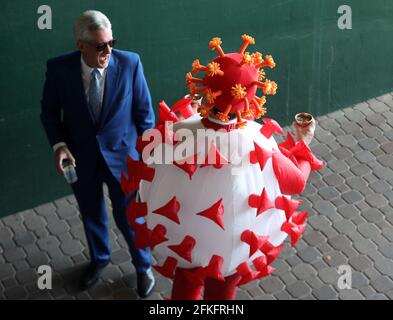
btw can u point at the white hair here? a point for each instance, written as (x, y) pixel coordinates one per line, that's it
(90, 21)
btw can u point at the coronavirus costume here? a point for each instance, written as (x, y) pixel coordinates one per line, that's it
(219, 215)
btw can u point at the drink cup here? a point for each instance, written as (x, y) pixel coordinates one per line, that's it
(303, 119)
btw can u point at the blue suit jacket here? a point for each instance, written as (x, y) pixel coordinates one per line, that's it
(126, 111)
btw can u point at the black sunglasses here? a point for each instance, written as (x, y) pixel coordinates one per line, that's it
(102, 46)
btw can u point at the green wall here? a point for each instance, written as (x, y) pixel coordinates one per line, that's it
(320, 68)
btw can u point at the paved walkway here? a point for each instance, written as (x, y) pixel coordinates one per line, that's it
(350, 223)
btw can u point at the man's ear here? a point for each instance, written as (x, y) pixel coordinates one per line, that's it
(80, 45)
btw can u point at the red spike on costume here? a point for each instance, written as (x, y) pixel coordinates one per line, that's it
(246, 273)
(166, 114)
(189, 166)
(288, 205)
(294, 231)
(187, 111)
(262, 202)
(289, 143)
(168, 268)
(271, 126)
(265, 272)
(214, 157)
(262, 267)
(213, 270)
(254, 241)
(196, 276)
(299, 217)
(136, 210)
(157, 236)
(145, 172)
(271, 252)
(214, 213)
(259, 262)
(170, 210)
(137, 170)
(243, 269)
(166, 136)
(184, 249)
(184, 107)
(302, 151)
(180, 104)
(260, 155)
(127, 185)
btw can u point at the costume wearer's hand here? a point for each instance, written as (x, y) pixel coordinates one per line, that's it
(195, 105)
(304, 133)
(61, 154)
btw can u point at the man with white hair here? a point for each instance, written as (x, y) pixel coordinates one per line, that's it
(95, 104)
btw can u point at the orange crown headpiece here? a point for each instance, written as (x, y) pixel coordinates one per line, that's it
(231, 81)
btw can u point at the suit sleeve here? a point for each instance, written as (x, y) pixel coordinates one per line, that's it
(51, 108)
(141, 103)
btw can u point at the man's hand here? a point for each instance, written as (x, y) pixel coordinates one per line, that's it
(61, 154)
(304, 133)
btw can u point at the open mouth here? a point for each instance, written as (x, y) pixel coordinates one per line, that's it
(104, 60)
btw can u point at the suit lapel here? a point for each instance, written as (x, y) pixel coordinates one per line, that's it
(109, 90)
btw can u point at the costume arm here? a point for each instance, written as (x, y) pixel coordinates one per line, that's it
(292, 178)
(292, 167)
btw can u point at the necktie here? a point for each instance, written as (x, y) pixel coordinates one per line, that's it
(94, 95)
